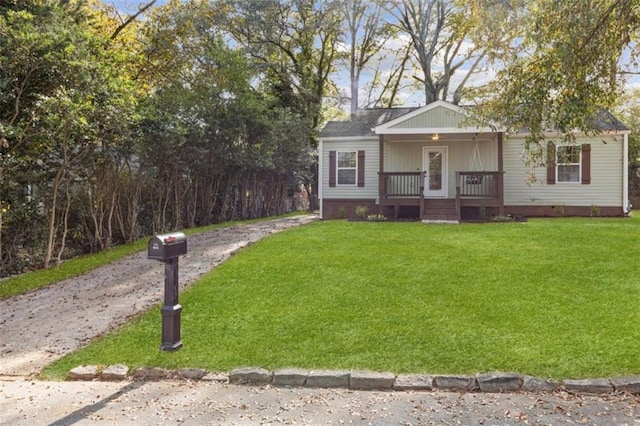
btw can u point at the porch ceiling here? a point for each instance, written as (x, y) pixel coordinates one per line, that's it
(441, 137)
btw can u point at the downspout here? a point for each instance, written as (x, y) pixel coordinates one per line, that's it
(501, 172)
(320, 177)
(380, 171)
(625, 174)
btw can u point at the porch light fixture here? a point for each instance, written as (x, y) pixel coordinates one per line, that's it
(435, 137)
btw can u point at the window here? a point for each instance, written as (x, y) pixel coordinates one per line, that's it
(568, 163)
(347, 167)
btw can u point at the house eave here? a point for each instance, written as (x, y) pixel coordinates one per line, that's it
(349, 138)
(431, 130)
(552, 134)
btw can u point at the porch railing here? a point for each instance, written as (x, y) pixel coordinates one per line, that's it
(468, 184)
(478, 184)
(401, 184)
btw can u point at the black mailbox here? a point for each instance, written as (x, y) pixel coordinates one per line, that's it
(167, 246)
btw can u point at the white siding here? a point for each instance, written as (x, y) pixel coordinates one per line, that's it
(605, 189)
(371, 147)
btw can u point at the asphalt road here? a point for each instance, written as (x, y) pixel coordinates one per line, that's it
(25, 402)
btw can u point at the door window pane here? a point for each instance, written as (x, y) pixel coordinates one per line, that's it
(435, 171)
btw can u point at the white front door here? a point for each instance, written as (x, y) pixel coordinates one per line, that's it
(434, 162)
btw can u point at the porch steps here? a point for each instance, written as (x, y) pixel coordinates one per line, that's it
(440, 222)
(440, 210)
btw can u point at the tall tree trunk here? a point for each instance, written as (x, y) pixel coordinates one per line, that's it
(1, 215)
(55, 188)
(355, 87)
(65, 224)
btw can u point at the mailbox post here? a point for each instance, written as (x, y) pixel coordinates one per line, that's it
(167, 248)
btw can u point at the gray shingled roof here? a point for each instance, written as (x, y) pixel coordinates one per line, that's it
(366, 119)
(363, 123)
(607, 122)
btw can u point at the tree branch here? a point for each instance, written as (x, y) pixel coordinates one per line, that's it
(130, 19)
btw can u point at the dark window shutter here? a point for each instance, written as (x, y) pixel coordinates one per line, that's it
(332, 168)
(360, 168)
(586, 164)
(551, 163)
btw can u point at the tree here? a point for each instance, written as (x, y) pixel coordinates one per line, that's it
(452, 38)
(125, 22)
(573, 65)
(66, 100)
(38, 55)
(295, 43)
(112, 128)
(217, 148)
(390, 81)
(366, 34)
(64, 125)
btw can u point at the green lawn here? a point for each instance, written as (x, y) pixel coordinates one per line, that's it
(556, 298)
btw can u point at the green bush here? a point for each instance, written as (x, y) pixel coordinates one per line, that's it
(362, 212)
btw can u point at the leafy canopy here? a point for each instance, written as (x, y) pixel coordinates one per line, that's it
(570, 66)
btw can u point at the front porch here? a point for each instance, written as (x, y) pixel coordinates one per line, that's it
(476, 194)
(440, 165)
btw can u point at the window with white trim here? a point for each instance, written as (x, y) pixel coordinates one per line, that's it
(568, 163)
(346, 167)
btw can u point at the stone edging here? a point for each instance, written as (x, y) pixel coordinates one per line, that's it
(366, 380)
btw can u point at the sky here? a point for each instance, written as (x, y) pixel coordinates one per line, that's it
(130, 6)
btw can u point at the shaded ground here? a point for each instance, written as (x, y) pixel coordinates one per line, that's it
(44, 325)
(41, 326)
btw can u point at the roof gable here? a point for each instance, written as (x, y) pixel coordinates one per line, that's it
(439, 116)
(436, 117)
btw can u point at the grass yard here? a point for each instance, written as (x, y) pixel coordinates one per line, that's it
(556, 298)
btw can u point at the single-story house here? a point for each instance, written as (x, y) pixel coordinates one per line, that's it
(429, 163)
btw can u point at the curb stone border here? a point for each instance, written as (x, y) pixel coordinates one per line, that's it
(497, 382)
